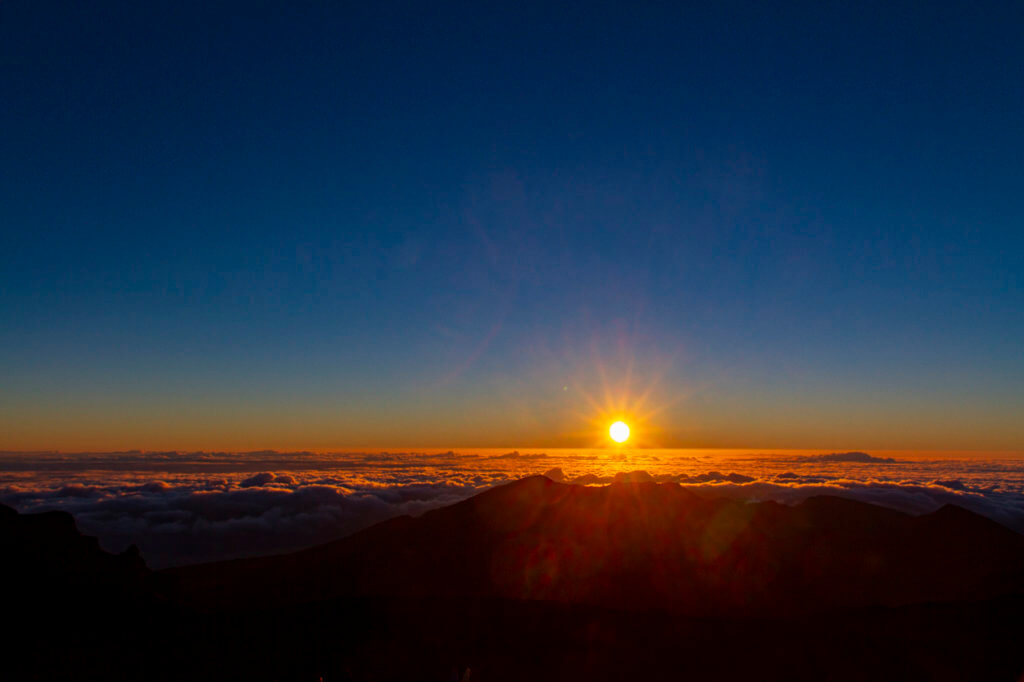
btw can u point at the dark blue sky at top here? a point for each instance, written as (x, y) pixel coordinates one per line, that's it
(393, 201)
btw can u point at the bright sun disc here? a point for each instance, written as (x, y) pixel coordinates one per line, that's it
(619, 432)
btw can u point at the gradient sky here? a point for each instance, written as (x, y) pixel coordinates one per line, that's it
(241, 226)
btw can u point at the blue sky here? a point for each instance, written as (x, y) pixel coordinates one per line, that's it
(234, 225)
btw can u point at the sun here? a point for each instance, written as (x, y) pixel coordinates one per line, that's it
(619, 432)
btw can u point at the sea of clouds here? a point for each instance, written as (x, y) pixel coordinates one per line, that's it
(182, 508)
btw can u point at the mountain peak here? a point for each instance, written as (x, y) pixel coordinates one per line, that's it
(635, 544)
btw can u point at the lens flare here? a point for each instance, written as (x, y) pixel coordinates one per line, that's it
(619, 432)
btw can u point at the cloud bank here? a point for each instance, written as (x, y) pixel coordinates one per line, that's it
(181, 509)
(177, 524)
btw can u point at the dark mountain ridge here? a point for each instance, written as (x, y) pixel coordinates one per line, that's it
(543, 581)
(45, 556)
(641, 545)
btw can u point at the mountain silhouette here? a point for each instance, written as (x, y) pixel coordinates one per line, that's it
(542, 581)
(71, 609)
(47, 558)
(642, 545)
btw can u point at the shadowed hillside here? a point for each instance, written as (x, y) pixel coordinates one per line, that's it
(542, 581)
(642, 545)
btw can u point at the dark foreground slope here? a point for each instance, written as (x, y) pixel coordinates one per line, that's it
(68, 606)
(542, 581)
(642, 546)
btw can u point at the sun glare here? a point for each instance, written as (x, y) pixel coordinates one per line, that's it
(619, 432)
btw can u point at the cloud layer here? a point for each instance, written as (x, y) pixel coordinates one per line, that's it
(264, 514)
(181, 509)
